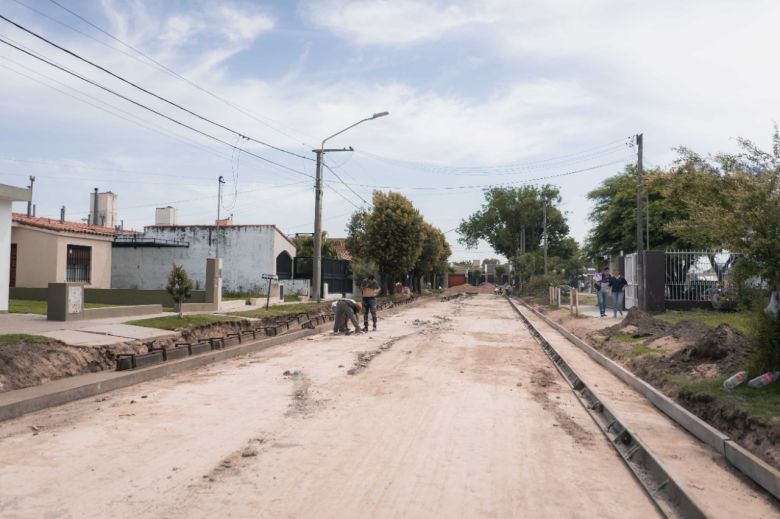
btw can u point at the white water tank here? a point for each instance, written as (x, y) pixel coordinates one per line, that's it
(165, 216)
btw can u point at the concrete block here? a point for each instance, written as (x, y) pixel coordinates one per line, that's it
(201, 347)
(124, 361)
(232, 339)
(147, 359)
(176, 353)
(756, 469)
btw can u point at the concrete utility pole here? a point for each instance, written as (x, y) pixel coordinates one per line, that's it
(316, 268)
(544, 225)
(640, 261)
(220, 181)
(29, 202)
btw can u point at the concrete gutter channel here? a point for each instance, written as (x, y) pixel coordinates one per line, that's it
(754, 468)
(135, 369)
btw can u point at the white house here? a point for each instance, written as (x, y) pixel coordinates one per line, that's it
(248, 251)
(8, 195)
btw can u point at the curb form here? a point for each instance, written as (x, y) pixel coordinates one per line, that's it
(756, 469)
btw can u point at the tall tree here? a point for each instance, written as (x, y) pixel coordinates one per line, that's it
(435, 250)
(614, 214)
(508, 214)
(735, 204)
(394, 232)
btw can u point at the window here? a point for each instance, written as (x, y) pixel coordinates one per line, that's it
(78, 264)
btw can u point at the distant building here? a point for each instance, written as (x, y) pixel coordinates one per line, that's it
(247, 251)
(165, 216)
(47, 251)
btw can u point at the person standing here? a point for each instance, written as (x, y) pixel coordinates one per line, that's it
(345, 310)
(601, 284)
(618, 284)
(370, 289)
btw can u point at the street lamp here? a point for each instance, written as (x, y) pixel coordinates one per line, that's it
(317, 242)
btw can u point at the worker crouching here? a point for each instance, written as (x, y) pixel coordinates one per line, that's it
(346, 310)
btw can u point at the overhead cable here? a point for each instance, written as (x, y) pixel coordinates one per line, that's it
(147, 91)
(141, 105)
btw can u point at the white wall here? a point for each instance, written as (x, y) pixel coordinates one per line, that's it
(247, 251)
(5, 252)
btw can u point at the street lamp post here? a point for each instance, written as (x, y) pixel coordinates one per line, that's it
(316, 274)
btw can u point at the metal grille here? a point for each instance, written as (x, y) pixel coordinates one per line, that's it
(696, 275)
(78, 265)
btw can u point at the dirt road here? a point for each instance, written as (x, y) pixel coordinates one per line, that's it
(461, 415)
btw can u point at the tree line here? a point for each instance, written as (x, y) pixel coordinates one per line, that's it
(394, 241)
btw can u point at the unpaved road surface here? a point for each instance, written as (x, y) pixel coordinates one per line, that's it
(460, 415)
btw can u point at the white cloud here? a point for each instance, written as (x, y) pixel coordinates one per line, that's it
(383, 22)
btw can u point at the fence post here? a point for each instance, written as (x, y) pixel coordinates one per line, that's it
(576, 303)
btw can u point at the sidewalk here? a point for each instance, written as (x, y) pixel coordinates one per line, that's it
(88, 332)
(593, 311)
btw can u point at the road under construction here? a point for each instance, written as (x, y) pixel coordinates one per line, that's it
(469, 407)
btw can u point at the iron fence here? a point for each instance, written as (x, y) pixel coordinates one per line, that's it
(697, 275)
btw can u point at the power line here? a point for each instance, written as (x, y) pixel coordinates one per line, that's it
(141, 105)
(510, 166)
(129, 117)
(176, 74)
(346, 185)
(487, 186)
(146, 91)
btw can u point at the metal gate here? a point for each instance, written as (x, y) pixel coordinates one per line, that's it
(631, 277)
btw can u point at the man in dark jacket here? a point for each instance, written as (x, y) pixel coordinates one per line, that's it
(618, 284)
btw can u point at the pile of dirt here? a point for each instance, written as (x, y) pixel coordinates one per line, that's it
(484, 288)
(722, 351)
(642, 325)
(26, 364)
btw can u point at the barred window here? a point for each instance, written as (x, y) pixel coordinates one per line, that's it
(79, 262)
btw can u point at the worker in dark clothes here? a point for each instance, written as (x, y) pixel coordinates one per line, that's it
(370, 289)
(345, 310)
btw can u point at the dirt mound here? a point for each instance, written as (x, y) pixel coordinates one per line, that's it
(29, 364)
(644, 325)
(484, 288)
(728, 348)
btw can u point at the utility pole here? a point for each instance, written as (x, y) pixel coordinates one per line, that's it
(316, 268)
(544, 225)
(640, 260)
(220, 181)
(29, 202)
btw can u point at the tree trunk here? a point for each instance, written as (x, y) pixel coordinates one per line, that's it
(180, 304)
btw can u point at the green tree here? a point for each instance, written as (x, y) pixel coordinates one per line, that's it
(394, 232)
(179, 286)
(304, 246)
(357, 240)
(435, 251)
(508, 214)
(735, 205)
(614, 214)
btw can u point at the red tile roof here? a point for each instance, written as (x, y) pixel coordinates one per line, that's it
(341, 248)
(56, 225)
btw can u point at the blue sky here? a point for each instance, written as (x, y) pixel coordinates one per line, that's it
(479, 93)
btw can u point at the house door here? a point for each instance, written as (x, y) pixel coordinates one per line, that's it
(12, 277)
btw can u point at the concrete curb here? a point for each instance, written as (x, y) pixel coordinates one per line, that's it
(756, 469)
(106, 381)
(14, 404)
